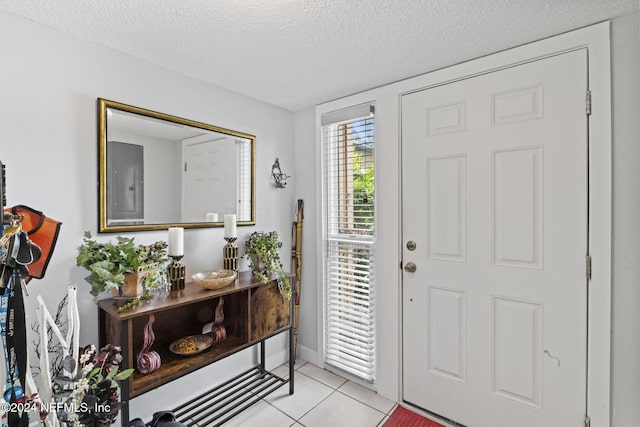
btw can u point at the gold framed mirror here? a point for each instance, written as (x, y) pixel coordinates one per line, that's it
(158, 171)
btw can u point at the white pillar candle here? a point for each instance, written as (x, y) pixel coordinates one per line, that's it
(176, 241)
(230, 229)
(212, 217)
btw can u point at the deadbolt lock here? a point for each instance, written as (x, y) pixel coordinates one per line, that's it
(411, 245)
(410, 267)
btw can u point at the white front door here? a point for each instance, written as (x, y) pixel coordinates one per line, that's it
(494, 173)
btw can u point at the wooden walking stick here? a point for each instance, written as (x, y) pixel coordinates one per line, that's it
(296, 268)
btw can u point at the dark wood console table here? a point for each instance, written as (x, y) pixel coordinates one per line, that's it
(253, 312)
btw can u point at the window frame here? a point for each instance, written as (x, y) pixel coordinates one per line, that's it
(349, 115)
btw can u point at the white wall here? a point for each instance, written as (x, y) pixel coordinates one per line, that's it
(48, 141)
(626, 226)
(305, 176)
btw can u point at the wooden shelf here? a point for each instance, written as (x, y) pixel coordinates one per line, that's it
(192, 293)
(174, 366)
(253, 311)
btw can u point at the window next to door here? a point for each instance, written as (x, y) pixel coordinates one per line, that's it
(349, 241)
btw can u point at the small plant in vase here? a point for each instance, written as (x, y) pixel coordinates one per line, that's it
(111, 264)
(262, 251)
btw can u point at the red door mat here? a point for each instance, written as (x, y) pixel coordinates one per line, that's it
(402, 417)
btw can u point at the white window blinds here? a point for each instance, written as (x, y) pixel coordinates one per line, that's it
(349, 241)
(244, 183)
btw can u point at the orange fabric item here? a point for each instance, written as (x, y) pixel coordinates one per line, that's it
(43, 231)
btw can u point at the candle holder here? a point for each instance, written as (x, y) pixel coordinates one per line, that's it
(230, 254)
(176, 273)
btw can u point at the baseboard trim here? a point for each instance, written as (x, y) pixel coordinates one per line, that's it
(281, 357)
(276, 360)
(308, 355)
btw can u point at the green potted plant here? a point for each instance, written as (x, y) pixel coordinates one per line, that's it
(262, 251)
(124, 268)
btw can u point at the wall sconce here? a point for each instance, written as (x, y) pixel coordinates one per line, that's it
(279, 177)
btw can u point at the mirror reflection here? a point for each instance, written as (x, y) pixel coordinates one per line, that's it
(158, 171)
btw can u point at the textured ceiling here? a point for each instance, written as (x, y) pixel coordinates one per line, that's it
(299, 53)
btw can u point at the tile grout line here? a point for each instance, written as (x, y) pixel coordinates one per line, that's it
(352, 397)
(302, 416)
(281, 411)
(333, 390)
(395, 405)
(275, 407)
(341, 392)
(364, 403)
(316, 405)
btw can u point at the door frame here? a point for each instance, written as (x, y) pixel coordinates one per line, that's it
(596, 40)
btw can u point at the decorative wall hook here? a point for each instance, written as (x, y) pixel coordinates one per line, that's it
(279, 177)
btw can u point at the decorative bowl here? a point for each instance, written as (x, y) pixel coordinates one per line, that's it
(188, 346)
(214, 279)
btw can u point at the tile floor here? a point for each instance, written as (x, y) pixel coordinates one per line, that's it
(321, 399)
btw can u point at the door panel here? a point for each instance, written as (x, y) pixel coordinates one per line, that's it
(517, 350)
(495, 197)
(447, 333)
(517, 207)
(446, 222)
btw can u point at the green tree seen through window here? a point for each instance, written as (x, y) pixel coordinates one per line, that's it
(363, 194)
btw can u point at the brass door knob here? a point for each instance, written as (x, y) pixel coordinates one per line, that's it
(410, 267)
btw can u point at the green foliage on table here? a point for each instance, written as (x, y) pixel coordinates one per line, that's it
(137, 301)
(109, 262)
(263, 247)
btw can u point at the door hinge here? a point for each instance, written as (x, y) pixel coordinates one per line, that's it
(588, 267)
(185, 166)
(588, 102)
(587, 422)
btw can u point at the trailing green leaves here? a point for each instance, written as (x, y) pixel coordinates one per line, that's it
(262, 247)
(109, 262)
